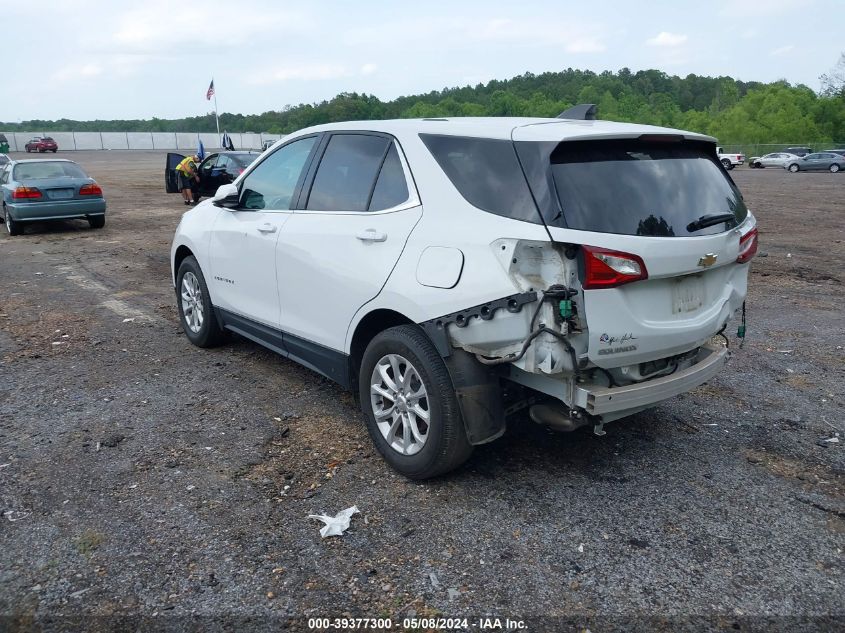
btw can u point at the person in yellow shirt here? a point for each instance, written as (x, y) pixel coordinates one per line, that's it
(188, 171)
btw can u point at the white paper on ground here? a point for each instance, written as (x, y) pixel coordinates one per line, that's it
(336, 525)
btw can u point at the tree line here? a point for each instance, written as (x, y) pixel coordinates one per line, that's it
(733, 111)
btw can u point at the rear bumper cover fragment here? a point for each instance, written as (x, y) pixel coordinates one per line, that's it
(603, 400)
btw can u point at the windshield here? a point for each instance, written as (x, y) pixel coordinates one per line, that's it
(36, 171)
(635, 187)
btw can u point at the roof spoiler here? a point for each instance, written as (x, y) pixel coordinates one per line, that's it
(580, 112)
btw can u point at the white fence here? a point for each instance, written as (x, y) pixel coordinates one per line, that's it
(139, 140)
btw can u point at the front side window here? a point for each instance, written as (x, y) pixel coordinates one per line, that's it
(272, 184)
(638, 187)
(347, 173)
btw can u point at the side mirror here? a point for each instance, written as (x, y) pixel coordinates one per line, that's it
(227, 196)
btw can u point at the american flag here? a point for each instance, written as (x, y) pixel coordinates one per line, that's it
(210, 92)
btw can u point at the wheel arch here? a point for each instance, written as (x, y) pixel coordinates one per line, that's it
(182, 252)
(367, 329)
(477, 387)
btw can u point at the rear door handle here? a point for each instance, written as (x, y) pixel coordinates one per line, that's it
(371, 235)
(267, 228)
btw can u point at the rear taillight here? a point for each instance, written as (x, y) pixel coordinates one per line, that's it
(608, 269)
(91, 189)
(747, 246)
(26, 193)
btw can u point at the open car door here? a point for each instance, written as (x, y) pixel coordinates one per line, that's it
(171, 178)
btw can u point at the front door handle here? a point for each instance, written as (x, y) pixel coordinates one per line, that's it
(267, 228)
(371, 235)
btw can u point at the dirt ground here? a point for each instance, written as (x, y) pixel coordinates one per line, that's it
(145, 482)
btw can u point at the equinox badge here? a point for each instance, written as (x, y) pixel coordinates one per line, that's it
(708, 260)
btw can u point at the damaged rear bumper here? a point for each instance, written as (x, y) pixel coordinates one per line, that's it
(601, 401)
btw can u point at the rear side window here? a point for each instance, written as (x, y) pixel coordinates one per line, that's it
(634, 187)
(347, 173)
(486, 172)
(391, 186)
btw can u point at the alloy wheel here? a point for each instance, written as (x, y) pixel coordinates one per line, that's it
(192, 307)
(400, 404)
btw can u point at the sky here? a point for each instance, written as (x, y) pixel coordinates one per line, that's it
(113, 59)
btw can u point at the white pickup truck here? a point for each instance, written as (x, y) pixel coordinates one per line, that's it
(730, 160)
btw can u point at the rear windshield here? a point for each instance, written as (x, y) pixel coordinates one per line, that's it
(244, 159)
(634, 187)
(36, 171)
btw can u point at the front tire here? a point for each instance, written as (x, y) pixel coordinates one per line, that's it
(196, 313)
(409, 404)
(793, 168)
(12, 226)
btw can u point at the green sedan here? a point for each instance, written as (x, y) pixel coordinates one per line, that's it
(49, 189)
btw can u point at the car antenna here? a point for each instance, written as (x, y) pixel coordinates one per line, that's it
(580, 112)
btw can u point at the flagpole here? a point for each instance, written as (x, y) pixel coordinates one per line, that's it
(216, 116)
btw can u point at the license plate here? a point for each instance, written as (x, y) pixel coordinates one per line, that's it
(60, 194)
(687, 295)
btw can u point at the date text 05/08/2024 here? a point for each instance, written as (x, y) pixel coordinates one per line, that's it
(443, 624)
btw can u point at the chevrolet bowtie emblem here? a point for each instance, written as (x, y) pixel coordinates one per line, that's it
(708, 260)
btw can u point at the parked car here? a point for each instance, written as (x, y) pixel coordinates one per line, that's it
(49, 189)
(730, 160)
(820, 161)
(41, 144)
(408, 261)
(841, 152)
(776, 159)
(798, 151)
(215, 170)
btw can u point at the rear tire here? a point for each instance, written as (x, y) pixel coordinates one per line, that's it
(54, 151)
(12, 226)
(727, 164)
(834, 168)
(793, 168)
(420, 436)
(97, 221)
(196, 313)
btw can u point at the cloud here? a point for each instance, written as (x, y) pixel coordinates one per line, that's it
(757, 10)
(76, 72)
(569, 35)
(160, 25)
(368, 69)
(783, 50)
(573, 37)
(664, 38)
(585, 45)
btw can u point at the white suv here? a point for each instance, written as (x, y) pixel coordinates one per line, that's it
(450, 271)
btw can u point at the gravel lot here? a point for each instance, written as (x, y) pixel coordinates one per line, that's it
(141, 477)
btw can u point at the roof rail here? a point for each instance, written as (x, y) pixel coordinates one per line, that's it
(581, 112)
